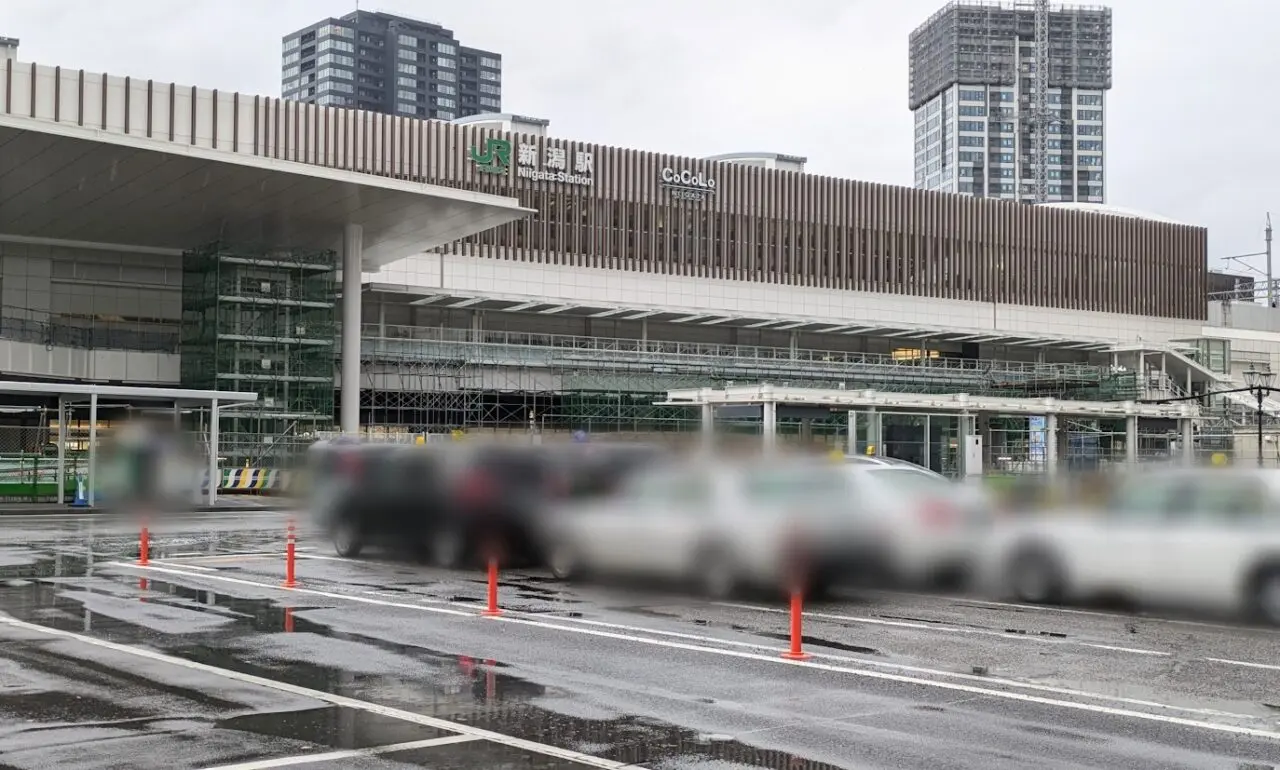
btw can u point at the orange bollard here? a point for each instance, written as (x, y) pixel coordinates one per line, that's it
(797, 617)
(492, 610)
(288, 620)
(290, 557)
(144, 547)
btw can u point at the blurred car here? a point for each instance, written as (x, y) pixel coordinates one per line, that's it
(720, 526)
(1196, 538)
(454, 503)
(924, 528)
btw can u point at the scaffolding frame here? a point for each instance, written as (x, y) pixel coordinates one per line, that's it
(262, 320)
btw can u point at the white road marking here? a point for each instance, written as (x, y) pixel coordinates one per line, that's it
(944, 628)
(330, 756)
(337, 700)
(323, 558)
(1266, 666)
(775, 659)
(167, 563)
(299, 590)
(1063, 610)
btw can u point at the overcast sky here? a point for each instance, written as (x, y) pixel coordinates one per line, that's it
(1192, 118)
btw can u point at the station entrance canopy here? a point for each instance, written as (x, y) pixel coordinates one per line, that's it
(768, 402)
(70, 394)
(72, 184)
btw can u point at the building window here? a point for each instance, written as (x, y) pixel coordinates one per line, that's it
(446, 48)
(1003, 128)
(407, 96)
(1088, 98)
(970, 157)
(1089, 144)
(1005, 141)
(445, 114)
(447, 63)
(444, 101)
(337, 45)
(1087, 130)
(1001, 96)
(290, 85)
(330, 72)
(1089, 160)
(490, 62)
(487, 75)
(1001, 157)
(972, 96)
(291, 44)
(485, 88)
(447, 77)
(342, 60)
(291, 72)
(405, 53)
(407, 82)
(971, 141)
(408, 69)
(407, 109)
(332, 100)
(972, 125)
(491, 103)
(290, 58)
(445, 88)
(1088, 114)
(409, 40)
(344, 88)
(335, 30)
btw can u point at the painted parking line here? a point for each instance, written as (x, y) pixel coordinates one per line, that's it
(945, 628)
(946, 681)
(1244, 663)
(333, 756)
(325, 697)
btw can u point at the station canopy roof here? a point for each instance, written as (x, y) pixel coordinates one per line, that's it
(70, 183)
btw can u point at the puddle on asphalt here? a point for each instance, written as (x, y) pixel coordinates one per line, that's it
(458, 688)
(334, 726)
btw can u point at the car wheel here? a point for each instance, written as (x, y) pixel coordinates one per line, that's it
(717, 575)
(1036, 578)
(1264, 596)
(448, 547)
(564, 562)
(348, 541)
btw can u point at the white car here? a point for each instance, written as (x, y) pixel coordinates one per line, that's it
(722, 526)
(927, 529)
(1196, 538)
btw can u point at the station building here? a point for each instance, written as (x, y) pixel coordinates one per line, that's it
(501, 278)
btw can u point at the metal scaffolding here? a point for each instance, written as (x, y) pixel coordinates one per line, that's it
(262, 320)
(430, 379)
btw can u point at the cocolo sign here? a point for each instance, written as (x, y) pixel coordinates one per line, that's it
(687, 185)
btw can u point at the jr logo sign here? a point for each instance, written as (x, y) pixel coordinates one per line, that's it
(495, 158)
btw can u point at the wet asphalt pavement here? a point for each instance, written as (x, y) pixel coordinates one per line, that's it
(203, 660)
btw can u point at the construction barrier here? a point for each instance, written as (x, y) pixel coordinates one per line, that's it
(251, 481)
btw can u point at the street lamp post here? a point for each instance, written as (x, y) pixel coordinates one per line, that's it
(1259, 383)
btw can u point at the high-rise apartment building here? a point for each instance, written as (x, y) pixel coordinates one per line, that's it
(973, 92)
(391, 64)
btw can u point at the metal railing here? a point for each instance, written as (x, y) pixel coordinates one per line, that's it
(92, 334)
(388, 341)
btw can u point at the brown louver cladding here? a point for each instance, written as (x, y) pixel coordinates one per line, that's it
(759, 225)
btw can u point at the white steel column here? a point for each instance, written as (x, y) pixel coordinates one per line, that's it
(770, 409)
(1131, 439)
(349, 378)
(211, 496)
(1051, 445)
(93, 445)
(1188, 441)
(62, 449)
(707, 436)
(851, 441)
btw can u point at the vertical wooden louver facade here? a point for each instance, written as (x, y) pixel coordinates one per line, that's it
(760, 225)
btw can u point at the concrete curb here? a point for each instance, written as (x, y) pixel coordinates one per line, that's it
(49, 510)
